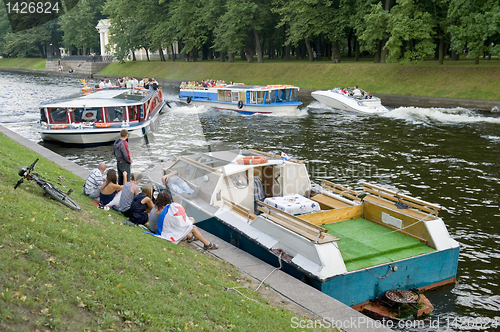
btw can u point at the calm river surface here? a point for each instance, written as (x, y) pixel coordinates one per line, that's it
(446, 156)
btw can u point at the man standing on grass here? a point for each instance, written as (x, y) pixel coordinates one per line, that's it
(122, 154)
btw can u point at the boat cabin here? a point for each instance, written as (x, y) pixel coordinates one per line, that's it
(102, 107)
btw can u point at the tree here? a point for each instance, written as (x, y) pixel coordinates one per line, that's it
(474, 23)
(79, 25)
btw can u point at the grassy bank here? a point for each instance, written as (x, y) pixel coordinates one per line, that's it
(24, 63)
(460, 79)
(64, 270)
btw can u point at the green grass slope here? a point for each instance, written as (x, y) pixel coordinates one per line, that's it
(459, 79)
(24, 63)
(64, 270)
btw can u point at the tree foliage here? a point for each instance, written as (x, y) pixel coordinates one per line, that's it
(404, 30)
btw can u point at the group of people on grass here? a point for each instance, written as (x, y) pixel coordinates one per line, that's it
(129, 83)
(164, 217)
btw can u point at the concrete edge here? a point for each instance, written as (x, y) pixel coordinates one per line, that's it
(328, 309)
(44, 152)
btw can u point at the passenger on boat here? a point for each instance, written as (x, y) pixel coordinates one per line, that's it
(146, 83)
(368, 96)
(343, 91)
(179, 186)
(174, 225)
(128, 193)
(258, 193)
(141, 205)
(101, 83)
(128, 83)
(94, 181)
(356, 92)
(153, 84)
(135, 83)
(109, 190)
(122, 155)
(107, 83)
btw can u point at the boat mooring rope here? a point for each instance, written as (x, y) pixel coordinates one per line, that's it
(278, 268)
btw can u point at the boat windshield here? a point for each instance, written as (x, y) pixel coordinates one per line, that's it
(58, 115)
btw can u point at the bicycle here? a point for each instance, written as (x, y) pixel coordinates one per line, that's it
(50, 189)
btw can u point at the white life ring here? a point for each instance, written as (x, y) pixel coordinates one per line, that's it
(89, 115)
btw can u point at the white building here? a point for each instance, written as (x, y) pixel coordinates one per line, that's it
(103, 28)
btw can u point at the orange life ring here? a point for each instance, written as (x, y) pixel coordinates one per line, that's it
(139, 88)
(103, 125)
(251, 160)
(59, 127)
(86, 88)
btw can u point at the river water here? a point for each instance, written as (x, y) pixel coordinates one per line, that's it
(446, 156)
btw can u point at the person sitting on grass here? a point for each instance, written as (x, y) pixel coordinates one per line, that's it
(94, 181)
(109, 189)
(174, 225)
(141, 205)
(128, 193)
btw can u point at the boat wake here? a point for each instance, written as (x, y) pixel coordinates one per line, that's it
(440, 115)
(185, 109)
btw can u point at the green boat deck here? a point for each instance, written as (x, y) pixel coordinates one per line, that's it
(369, 244)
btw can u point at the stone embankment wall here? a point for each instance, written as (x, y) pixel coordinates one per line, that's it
(79, 67)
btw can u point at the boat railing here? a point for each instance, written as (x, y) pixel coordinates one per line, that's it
(241, 210)
(200, 164)
(402, 201)
(337, 188)
(302, 227)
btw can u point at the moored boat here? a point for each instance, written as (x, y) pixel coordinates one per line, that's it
(352, 249)
(97, 117)
(347, 100)
(244, 99)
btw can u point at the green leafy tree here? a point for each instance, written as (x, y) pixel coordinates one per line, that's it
(474, 23)
(79, 26)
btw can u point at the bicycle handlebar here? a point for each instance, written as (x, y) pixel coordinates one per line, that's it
(33, 165)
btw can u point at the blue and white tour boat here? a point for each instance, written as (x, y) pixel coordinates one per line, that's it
(245, 99)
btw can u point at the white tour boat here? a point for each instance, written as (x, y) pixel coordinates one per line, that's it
(360, 103)
(95, 118)
(245, 99)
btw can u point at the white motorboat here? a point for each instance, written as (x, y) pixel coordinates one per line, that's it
(361, 102)
(350, 248)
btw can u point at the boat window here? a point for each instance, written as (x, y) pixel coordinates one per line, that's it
(253, 97)
(200, 177)
(58, 115)
(136, 95)
(234, 96)
(260, 97)
(115, 113)
(294, 94)
(240, 180)
(86, 114)
(133, 112)
(271, 96)
(224, 95)
(282, 95)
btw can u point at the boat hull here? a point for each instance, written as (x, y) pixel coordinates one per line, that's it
(246, 109)
(337, 101)
(425, 271)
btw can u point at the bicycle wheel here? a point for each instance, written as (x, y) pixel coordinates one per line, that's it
(59, 196)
